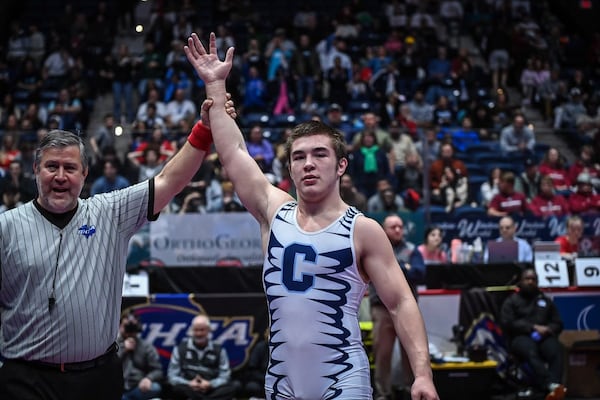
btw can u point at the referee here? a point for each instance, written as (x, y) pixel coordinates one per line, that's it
(62, 263)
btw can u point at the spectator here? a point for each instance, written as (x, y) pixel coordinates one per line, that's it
(280, 163)
(369, 164)
(104, 137)
(421, 111)
(282, 93)
(253, 58)
(68, 109)
(231, 202)
(194, 201)
(402, 144)
(498, 46)
(56, 67)
(410, 181)
(377, 58)
(10, 198)
(489, 188)
(438, 172)
(517, 138)
(569, 242)
(453, 191)
(550, 93)
(16, 177)
(334, 118)
(255, 93)
(508, 201)
(461, 138)
(159, 139)
(151, 69)
(9, 151)
(443, 114)
(199, 367)
(350, 194)
(532, 77)
(336, 78)
(306, 69)
(547, 203)
(160, 108)
(385, 82)
(532, 323)
(409, 65)
(110, 179)
(429, 146)
(528, 181)
(482, 121)
(406, 121)
(180, 108)
(385, 200)
(438, 71)
(508, 229)
(371, 123)
(584, 200)
(384, 336)
(502, 112)
(37, 45)
(554, 166)
(142, 370)
(585, 163)
(260, 148)
(432, 250)
(28, 81)
(151, 121)
(217, 198)
(151, 163)
(565, 116)
(123, 69)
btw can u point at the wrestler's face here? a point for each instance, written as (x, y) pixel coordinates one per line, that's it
(314, 167)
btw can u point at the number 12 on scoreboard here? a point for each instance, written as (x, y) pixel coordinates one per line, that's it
(552, 273)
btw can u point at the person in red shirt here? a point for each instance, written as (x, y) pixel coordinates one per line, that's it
(584, 163)
(569, 242)
(547, 203)
(507, 201)
(584, 200)
(553, 165)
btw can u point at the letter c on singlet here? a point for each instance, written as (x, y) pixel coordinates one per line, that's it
(289, 266)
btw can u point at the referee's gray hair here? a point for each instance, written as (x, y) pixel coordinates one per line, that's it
(58, 138)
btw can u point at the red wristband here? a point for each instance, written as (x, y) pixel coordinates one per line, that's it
(200, 137)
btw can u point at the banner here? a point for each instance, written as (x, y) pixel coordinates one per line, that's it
(216, 239)
(238, 320)
(529, 228)
(233, 239)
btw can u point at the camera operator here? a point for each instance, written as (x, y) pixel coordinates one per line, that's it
(142, 370)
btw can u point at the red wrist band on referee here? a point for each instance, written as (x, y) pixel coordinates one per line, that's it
(200, 137)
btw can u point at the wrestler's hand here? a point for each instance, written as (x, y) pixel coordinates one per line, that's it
(423, 389)
(207, 65)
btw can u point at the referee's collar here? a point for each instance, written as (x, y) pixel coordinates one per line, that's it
(60, 220)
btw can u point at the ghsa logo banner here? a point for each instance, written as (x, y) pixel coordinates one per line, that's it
(166, 321)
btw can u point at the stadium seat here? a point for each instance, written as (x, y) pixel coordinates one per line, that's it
(283, 120)
(470, 212)
(255, 118)
(475, 182)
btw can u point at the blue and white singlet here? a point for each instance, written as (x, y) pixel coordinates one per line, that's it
(314, 291)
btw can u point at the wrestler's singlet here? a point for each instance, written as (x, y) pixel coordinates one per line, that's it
(314, 291)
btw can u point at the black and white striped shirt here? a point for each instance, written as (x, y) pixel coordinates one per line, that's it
(86, 259)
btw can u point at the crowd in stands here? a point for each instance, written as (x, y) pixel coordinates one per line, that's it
(429, 122)
(420, 110)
